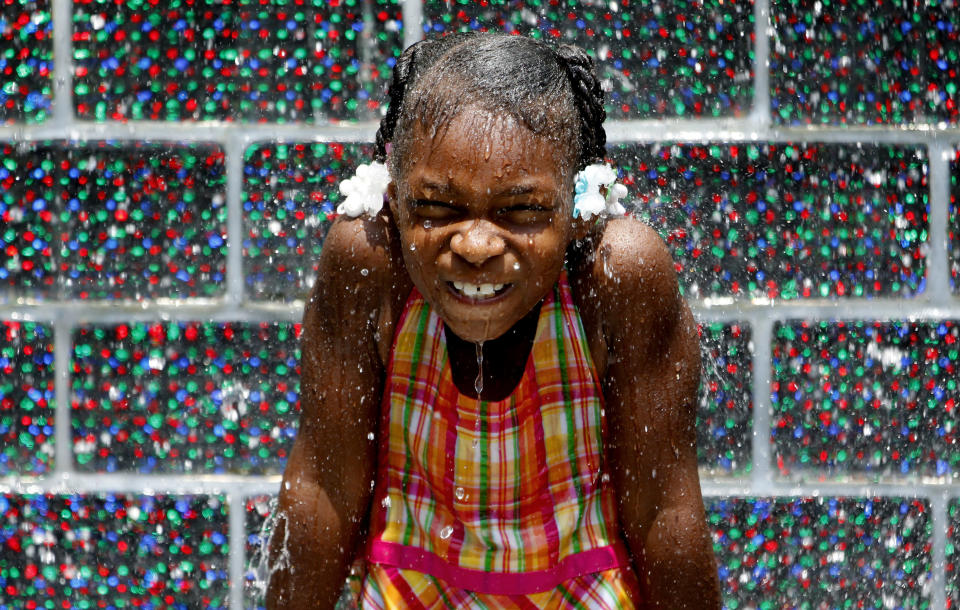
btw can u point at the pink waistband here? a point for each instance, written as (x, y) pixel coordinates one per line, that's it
(499, 583)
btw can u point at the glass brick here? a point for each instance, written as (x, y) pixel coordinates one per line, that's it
(952, 546)
(250, 60)
(725, 413)
(108, 220)
(825, 552)
(289, 192)
(865, 399)
(114, 550)
(785, 220)
(656, 60)
(27, 402)
(142, 221)
(185, 397)
(852, 64)
(26, 61)
(30, 229)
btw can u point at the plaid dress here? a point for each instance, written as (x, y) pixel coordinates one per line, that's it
(499, 504)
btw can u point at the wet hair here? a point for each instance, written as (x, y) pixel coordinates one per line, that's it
(551, 90)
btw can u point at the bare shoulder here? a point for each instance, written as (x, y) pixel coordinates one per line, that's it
(628, 271)
(359, 281)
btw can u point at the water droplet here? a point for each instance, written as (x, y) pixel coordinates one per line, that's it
(364, 272)
(460, 493)
(516, 266)
(478, 382)
(605, 477)
(385, 502)
(446, 532)
(427, 224)
(370, 436)
(413, 247)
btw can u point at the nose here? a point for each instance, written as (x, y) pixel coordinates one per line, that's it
(478, 242)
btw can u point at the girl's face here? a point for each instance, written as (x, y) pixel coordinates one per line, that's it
(484, 213)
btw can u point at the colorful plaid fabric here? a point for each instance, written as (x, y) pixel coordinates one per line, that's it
(494, 504)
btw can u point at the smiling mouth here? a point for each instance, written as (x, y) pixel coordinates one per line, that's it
(478, 291)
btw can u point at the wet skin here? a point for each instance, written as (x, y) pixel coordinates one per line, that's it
(497, 214)
(493, 200)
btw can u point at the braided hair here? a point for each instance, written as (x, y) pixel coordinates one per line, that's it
(551, 90)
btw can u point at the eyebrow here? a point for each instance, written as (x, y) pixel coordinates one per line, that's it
(512, 190)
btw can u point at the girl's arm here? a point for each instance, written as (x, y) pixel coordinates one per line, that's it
(326, 490)
(651, 380)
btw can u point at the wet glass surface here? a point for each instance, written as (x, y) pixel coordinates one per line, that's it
(829, 552)
(111, 220)
(725, 412)
(185, 397)
(690, 59)
(289, 192)
(114, 550)
(26, 61)
(785, 220)
(873, 400)
(27, 402)
(273, 61)
(841, 63)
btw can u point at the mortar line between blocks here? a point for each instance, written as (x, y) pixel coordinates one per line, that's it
(412, 17)
(938, 265)
(237, 539)
(762, 474)
(760, 113)
(939, 522)
(62, 426)
(62, 89)
(234, 192)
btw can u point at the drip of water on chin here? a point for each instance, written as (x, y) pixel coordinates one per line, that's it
(478, 382)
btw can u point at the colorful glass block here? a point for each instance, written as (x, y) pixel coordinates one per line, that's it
(785, 220)
(725, 414)
(113, 551)
(29, 211)
(142, 221)
(822, 552)
(26, 61)
(868, 399)
(108, 220)
(27, 402)
(290, 191)
(185, 397)
(677, 59)
(859, 63)
(249, 60)
(952, 547)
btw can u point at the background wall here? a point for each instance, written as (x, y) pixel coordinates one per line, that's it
(168, 168)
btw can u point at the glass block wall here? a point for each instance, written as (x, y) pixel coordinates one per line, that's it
(168, 172)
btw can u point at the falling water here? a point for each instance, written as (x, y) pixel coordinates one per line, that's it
(478, 382)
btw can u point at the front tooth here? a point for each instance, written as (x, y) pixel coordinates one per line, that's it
(486, 289)
(470, 290)
(497, 287)
(458, 285)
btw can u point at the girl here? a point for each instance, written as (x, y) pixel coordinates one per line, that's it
(499, 381)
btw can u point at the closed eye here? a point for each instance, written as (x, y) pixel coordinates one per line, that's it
(429, 208)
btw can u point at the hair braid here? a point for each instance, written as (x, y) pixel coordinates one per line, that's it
(588, 97)
(414, 60)
(398, 84)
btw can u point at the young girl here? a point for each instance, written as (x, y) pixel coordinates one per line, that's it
(499, 378)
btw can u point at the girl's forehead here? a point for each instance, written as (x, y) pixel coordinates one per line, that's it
(479, 137)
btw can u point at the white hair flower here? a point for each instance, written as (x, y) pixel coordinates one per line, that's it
(364, 191)
(588, 201)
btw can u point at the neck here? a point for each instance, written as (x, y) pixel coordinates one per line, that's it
(504, 359)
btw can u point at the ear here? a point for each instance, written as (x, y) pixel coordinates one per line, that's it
(392, 197)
